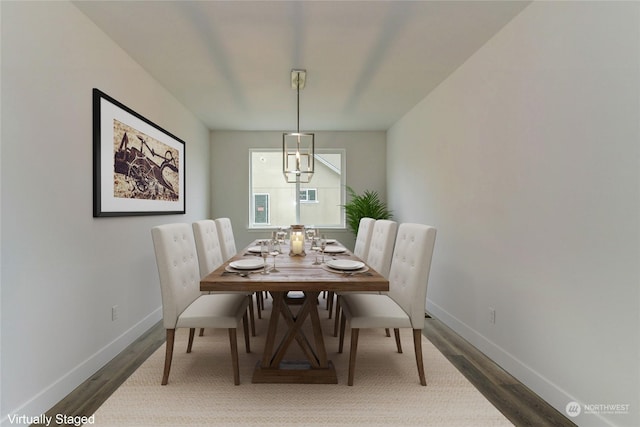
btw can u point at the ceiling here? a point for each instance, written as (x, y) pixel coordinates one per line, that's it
(368, 62)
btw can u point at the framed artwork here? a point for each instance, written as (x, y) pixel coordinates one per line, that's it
(138, 167)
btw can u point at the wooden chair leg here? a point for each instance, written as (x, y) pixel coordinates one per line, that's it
(245, 327)
(330, 302)
(386, 330)
(192, 332)
(171, 333)
(343, 325)
(233, 341)
(417, 344)
(352, 354)
(338, 311)
(396, 332)
(252, 317)
(201, 332)
(258, 297)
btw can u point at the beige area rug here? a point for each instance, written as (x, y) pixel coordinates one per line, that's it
(386, 392)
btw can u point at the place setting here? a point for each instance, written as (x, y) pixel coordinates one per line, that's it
(244, 267)
(345, 267)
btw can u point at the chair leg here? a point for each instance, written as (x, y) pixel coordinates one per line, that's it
(192, 332)
(417, 344)
(245, 327)
(396, 332)
(171, 333)
(386, 330)
(338, 311)
(330, 302)
(258, 298)
(233, 341)
(252, 317)
(352, 354)
(201, 332)
(343, 325)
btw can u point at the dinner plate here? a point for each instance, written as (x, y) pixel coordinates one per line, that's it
(247, 264)
(254, 249)
(334, 249)
(345, 264)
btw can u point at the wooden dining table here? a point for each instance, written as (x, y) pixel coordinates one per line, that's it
(301, 274)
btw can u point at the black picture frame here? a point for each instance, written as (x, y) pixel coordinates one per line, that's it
(138, 167)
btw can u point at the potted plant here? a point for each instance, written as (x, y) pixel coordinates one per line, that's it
(367, 204)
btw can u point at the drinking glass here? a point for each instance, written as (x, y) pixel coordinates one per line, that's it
(323, 245)
(264, 251)
(275, 250)
(311, 236)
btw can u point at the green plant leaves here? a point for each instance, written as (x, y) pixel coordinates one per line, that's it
(367, 204)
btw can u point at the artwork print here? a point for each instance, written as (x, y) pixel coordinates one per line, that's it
(144, 167)
(139, 168)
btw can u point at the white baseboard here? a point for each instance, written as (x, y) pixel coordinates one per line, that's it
(543, 387)
(56, 391)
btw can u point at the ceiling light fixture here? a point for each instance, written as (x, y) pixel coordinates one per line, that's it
(298, 147)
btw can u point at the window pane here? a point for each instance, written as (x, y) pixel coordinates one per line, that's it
(280, 204)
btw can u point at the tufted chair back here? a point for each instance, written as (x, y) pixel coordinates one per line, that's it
(410, 267)
(363, 238)
(227, 241)
(205, 233)
(177, 262)
(383, 239)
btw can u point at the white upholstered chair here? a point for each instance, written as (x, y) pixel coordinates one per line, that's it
(205, 233)
(363, 237)
(228, 249)
(404, 305)
(361, 249)
(227, 240)
(383, 239)
(183, 305)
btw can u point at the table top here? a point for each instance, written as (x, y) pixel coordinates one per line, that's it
(296, 273)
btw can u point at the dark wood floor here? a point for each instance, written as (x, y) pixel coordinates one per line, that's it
(519, 404)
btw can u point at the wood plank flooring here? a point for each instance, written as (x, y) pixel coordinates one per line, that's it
(519, 404)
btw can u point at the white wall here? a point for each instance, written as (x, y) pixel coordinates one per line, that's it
(63, 270)
(365, 170)
(526, 159)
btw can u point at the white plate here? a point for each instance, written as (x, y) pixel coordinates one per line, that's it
(334, 249)
(254, 249)
(345, 264)
(247, 264)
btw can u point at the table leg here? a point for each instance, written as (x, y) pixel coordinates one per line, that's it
(317, 369)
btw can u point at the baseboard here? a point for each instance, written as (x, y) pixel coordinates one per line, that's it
(542, 386)
(56, 391)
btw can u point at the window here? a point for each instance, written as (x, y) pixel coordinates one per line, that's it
(276, 203)
(308, 195)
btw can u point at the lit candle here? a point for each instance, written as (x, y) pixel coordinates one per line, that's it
(297, 240)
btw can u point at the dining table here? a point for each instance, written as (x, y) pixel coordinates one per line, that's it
(306, 275)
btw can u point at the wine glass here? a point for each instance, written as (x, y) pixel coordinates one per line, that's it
(264, 252)
(275, 250)
(311, 234)
(323, 245)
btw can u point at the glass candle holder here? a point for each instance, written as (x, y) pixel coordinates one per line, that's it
(296, 239)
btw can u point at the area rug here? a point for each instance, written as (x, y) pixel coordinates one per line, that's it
(386, 392)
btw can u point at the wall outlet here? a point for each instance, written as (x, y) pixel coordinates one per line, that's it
(115, 313)
(492, 315)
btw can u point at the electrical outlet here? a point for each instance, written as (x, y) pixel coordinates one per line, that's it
(492, 315)
(115, 313)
